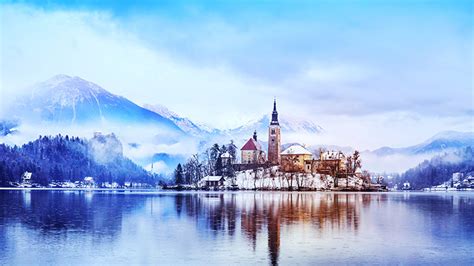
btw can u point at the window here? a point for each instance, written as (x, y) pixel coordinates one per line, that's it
(273, 131)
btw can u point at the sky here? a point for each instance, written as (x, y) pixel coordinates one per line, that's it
(371, 73)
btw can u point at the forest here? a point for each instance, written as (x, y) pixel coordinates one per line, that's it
(439, 169)
(63, 158)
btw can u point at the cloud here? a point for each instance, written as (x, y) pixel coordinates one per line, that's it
(341, 66)
(92, 45)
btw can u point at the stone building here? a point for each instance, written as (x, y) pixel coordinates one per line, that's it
(274, 138)
(294, 157)
(251, 152)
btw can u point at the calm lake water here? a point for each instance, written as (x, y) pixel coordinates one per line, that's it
(63, 228)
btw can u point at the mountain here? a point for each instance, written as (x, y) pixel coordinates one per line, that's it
(66, 100)
(240, 133)
(441, 142)
(438, 169)
(288, 126)
(183, 123)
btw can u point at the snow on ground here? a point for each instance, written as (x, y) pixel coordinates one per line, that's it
(272, 179)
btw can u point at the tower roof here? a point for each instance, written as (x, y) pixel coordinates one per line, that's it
(274, 114)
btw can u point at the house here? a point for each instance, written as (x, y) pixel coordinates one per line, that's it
(294, 157)
(26, 177)
(329, 163)
(211, 181)
(251, 152)
(226, 158)
(89, 181)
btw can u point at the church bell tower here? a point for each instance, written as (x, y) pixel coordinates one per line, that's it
(274, 141)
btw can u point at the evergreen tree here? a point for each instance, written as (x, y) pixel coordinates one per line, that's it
(232, 150)
(178, 175)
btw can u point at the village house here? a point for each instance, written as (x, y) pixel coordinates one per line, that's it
(226, 158)
(329, 162)
(294, 157)
(211, 181)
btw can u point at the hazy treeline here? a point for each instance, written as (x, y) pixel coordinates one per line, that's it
(63, 158)
(439, 169)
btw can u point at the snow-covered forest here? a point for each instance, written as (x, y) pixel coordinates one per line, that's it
(63, 158)
(437, 170)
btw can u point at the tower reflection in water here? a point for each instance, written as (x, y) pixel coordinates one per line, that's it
(257, 213)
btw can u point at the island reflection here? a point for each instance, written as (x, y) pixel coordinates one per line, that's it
(259, 225)
(267, 212)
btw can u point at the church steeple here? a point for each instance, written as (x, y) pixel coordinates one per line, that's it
(274, 114)
(274, 141)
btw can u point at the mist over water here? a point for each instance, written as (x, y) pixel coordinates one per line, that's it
(58, 227)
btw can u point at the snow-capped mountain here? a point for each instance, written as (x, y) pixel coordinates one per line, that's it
(183, 123)
(73, 100)
(288, 126)
(441, 142)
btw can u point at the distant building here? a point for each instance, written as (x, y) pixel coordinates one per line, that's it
(294, 157)
(251, 152)
(329, 163)
(406, 186)
(89, 181)
(274, 138)
(226, 158)
(211, 181)
(457, 177)
(26, 177)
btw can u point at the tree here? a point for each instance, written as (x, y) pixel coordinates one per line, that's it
(223, 149)
(178, 175)
(232, 150)
(356, 162)
(290, 164)
(219, 167)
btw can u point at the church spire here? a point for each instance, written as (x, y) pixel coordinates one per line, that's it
(274, 114)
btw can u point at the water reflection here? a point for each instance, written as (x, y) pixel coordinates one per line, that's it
(272, 227)
(269, 211)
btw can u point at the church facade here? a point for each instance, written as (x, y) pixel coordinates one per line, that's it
(252, 152)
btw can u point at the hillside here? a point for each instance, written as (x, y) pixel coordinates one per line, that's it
(438, 170)
(64, 158)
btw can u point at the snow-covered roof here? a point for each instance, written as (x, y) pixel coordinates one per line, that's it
(212, 178)
(226, 155)
(296, 149)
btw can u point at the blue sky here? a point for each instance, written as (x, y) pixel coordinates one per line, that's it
(376, 67)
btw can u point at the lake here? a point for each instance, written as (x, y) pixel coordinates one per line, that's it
(105, 227)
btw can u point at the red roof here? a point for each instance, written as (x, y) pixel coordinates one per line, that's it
(251, 145)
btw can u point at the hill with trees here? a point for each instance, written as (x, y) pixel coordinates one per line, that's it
(438, 170)
(63, 158)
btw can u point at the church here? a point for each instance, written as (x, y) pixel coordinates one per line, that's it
(252, 152)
